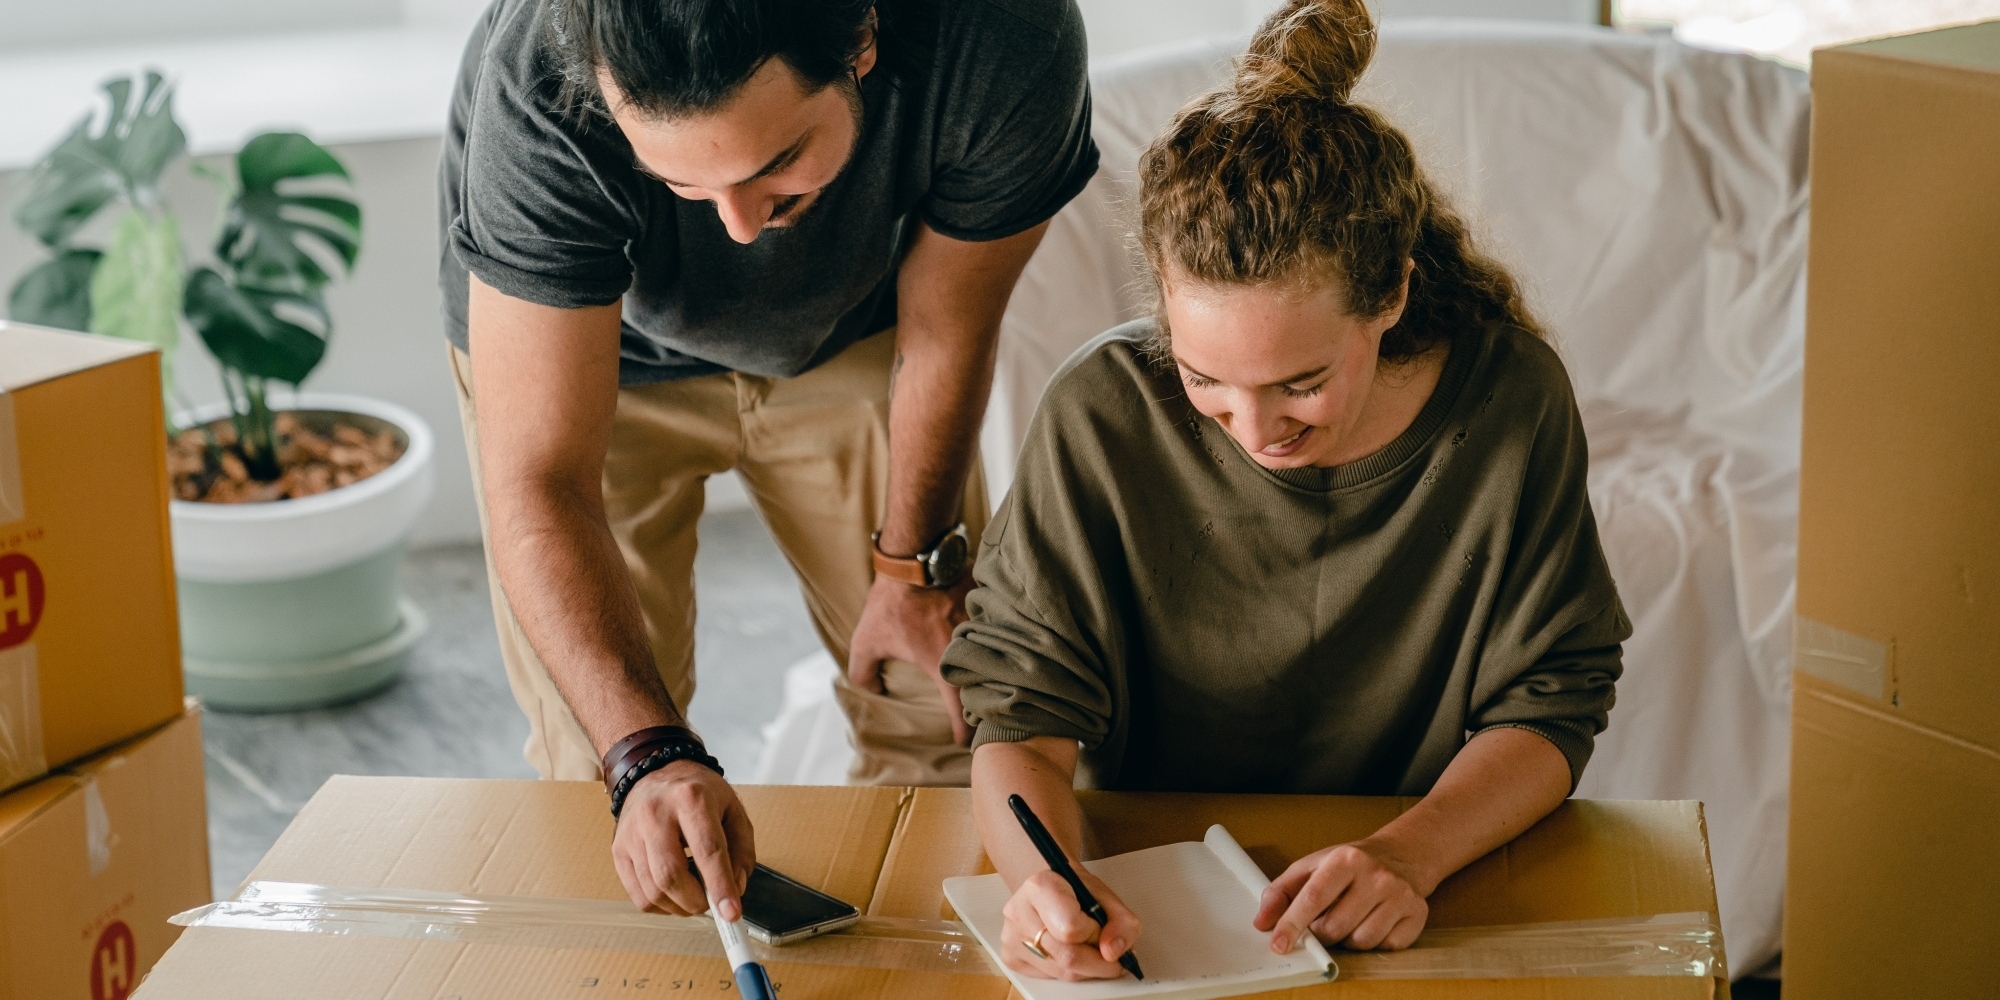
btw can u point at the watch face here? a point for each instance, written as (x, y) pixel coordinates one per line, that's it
(947, 561)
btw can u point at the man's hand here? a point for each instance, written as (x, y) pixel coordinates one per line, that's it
(1349, 894)
(913, 624)
(1044, 910)
(684, 806)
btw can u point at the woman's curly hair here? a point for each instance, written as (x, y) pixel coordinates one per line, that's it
(1281, 178)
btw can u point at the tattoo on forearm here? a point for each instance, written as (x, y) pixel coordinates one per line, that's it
(895, 370)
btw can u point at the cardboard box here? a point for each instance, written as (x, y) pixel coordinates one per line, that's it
(89, 639)
(1896, 708)
(883, 849)
(93, 860)
(1893, 854)
(1899, 508)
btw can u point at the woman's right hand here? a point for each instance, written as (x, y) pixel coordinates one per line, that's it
(1077, 948)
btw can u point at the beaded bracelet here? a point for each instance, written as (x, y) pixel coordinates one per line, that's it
(670, 750)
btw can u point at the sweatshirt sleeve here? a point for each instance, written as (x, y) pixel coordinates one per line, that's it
(1041, 652)
(1552, 653)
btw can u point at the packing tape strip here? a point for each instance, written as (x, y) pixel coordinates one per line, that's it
(21, 756)
(1840, 657)
(1674, 944)
(874, 942)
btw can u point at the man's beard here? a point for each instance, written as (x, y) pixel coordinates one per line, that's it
(792, 210)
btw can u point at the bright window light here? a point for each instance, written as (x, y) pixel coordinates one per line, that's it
(1791, 29)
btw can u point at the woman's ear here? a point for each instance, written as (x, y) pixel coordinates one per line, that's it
(1394, 314)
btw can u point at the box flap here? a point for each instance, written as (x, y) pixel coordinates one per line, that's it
(1588, 860)
(553, 838)
(1971, 46)
(520, 838)
(21, 806)
(31, 354)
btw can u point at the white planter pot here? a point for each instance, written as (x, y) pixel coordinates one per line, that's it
(287, 539)
(293, 604)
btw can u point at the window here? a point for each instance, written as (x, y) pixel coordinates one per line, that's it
(1791, 29)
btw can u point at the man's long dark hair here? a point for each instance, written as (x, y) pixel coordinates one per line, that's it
(678, 57)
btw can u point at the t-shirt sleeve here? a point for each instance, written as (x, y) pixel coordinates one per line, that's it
(1016, 144)
(547, 207)
(1553, 652)
(1036, 656)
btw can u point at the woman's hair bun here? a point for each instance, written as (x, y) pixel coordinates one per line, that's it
(1308, 48)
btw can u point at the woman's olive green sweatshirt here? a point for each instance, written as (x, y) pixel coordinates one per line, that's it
(1200, 623)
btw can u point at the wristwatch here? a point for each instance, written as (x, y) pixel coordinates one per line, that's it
(939, 567)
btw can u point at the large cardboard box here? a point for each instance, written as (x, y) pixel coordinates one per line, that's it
(883, 849)
(89, 639)
(1895, 852)
(1896, 713)
(93, 860)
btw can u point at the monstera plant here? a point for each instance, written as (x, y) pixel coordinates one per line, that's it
(289, 221)
(290, 515)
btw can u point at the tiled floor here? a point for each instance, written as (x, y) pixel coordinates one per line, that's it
(453, 716)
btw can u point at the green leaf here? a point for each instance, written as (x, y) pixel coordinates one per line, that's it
(135, 292)
(278, 239)
(257, 333)
(57, 293)
(100, 161)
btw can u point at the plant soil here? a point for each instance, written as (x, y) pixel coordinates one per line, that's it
(204, 463)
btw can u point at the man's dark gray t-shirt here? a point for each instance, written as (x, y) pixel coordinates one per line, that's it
(985, 135)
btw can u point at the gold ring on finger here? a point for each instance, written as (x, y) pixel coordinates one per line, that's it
(1035, 945)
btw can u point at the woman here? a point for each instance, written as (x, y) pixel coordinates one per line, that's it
(1319, 527)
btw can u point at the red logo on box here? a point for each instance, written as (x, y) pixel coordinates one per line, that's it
(114, 964)
(20, 598)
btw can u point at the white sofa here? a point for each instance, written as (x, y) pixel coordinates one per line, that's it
(1652, 198)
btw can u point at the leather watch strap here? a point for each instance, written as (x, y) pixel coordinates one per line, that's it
(904, 569)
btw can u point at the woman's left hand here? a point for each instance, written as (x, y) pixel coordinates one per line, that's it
(1348, 894)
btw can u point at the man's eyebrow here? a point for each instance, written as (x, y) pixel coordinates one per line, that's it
(778, 162)
(1300, 377)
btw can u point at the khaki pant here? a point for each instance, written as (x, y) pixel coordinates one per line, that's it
(813, 453)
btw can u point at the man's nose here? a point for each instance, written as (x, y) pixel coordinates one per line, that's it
(743, 214)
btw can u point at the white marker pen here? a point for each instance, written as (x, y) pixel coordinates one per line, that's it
(751, 980)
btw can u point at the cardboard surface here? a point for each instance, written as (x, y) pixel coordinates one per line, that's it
(512, 838)
(1899, 514)
(883, 849)
(1588, 860)
(89, 638)
(552, 838)
(1895, 851)
(1893, 880)
(92, 863)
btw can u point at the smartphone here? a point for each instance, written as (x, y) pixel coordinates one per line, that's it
(781, 910)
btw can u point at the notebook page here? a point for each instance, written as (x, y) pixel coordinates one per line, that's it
(1197, 942)
(1231, 854)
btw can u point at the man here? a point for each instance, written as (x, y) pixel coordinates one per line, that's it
(685, 236)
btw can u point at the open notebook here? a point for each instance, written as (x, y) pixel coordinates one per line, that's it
(1194, 901)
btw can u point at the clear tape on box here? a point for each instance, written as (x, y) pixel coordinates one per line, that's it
(21, 756)
(1673, 944)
